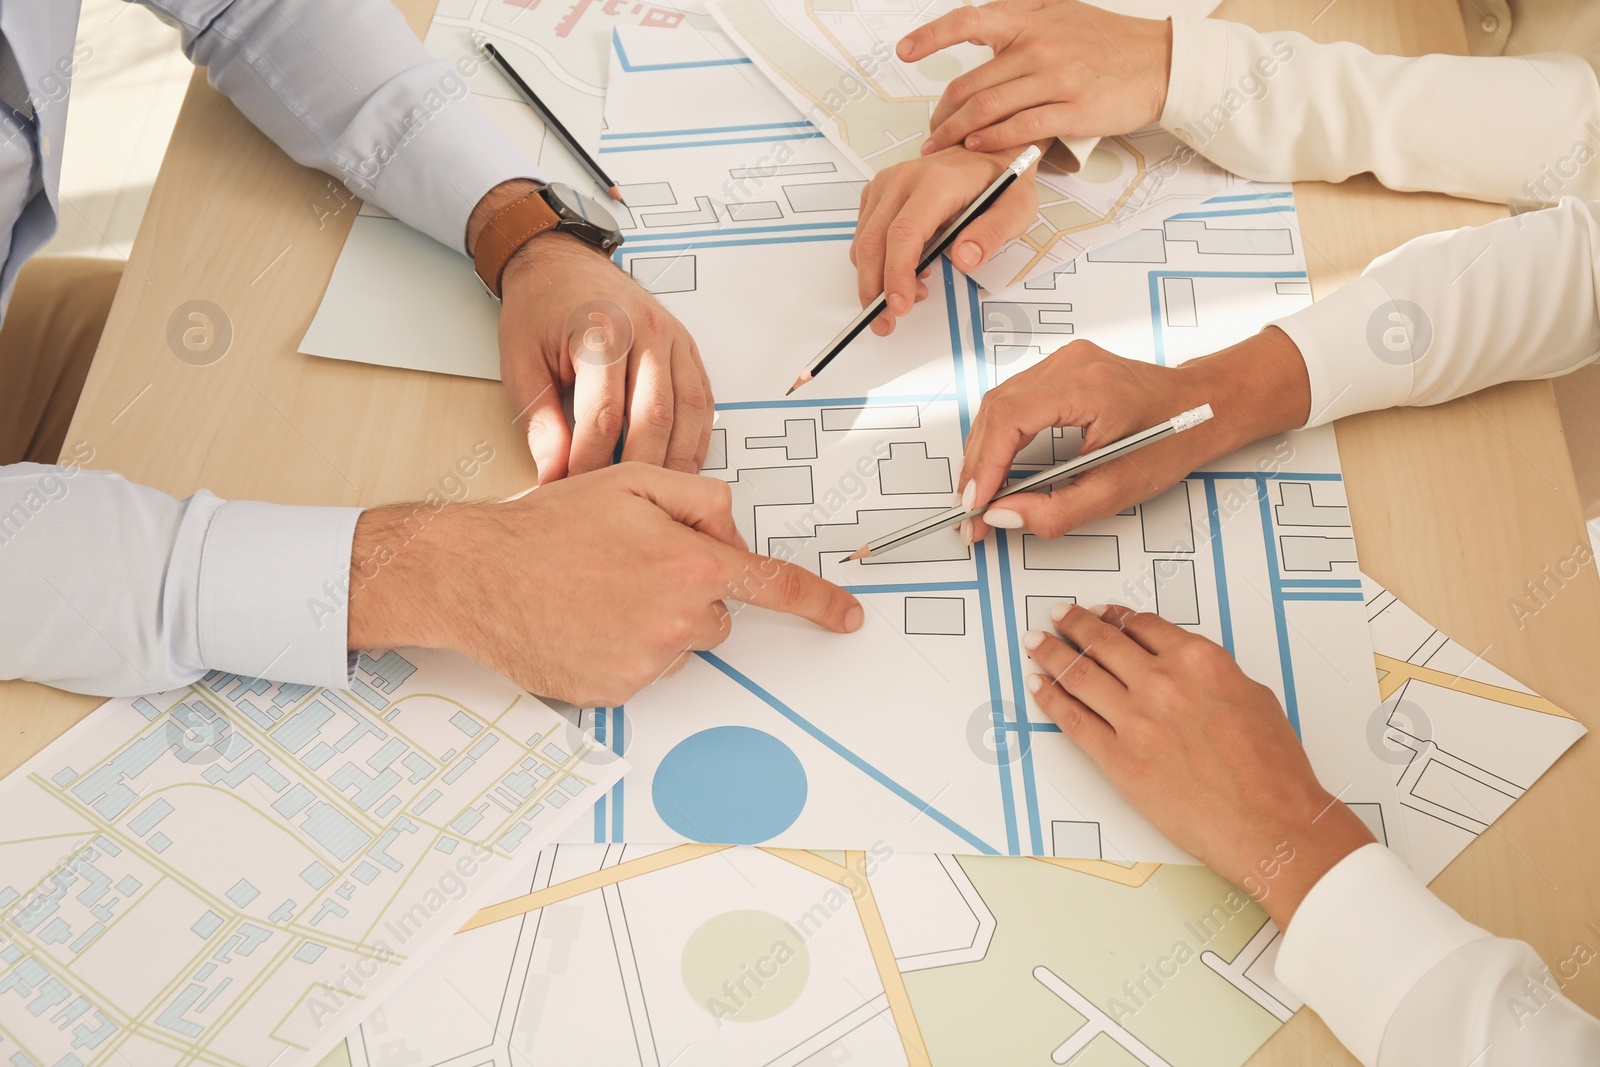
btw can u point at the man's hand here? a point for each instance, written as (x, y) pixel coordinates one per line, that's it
(1257, 388)
(1203, 752)
(585, 590)
(1060, 69)
(906, 204)
(570, 320)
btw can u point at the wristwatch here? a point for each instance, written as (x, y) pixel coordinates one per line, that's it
(550, 207)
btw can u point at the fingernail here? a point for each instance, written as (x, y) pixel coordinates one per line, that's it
(1003, 519)
(897, 304)
(904, 47)
(1035, 683)
(853, 618)
(1059, 612)
(927, 146)
(972, 142)
(969, 496)
(966, 531)
(1097, 610)
(744, 546)
(967, 254)
(1033, 639)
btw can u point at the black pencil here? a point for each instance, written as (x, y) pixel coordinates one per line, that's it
(553, 123)
(933, 251)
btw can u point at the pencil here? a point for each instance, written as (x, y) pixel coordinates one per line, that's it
(1045, 478)
(933, 251)
(554, 124)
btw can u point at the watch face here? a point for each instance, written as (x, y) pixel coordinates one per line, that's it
(584, 207)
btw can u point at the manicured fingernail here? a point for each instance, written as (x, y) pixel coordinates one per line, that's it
(1035, 683)
(897, 304)
(1003, 519)
(969, 495)
(967, 254)
(853, 618)
(1033, 639)
(1059, 612)
(1097, 610)
(966, 531)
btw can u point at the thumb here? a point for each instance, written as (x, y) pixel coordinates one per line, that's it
(793, 590)
(1010, 217)
(543, 422)
(696, 501)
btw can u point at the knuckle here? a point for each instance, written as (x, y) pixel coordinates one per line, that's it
(608, 418)
(676, 629)
(987, 102)
(695, 398)
(1028, 126)
(787, 585)
(656, 415)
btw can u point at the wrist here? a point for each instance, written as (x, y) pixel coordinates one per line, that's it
(492, 203)
(548, 255)
(1258, 388)
(400, 596)
(1293, 857)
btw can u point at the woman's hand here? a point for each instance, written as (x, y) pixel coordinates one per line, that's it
(1203, 752)
(1060, 69)
(905, 205)
(1257, 388)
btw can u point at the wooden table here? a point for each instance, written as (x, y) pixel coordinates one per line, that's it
(1455, 507)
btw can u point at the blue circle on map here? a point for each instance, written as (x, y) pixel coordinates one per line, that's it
(730, 785)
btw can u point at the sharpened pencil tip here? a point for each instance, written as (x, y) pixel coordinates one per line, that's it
(616, 194)
(798, 382)
(863, 552)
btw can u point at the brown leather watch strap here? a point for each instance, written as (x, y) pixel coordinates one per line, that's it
(512, 227)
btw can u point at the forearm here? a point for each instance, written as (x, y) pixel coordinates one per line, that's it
(1280, 107)
(368, 104)
(117, 589)
(1400, 978)
(1448, 314)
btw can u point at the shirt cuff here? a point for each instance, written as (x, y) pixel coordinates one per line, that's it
(275, 590)
(1357, 348)
(1363, 937)
(1199, 75)
(434, 180)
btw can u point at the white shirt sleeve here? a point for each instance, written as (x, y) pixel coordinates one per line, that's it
(115, 589)
(1404, 981)
(1451, 313)
(346, 87)
(1281, 107)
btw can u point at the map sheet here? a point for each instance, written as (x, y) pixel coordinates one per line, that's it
(719, 957)
(233, 873)
(836, 63)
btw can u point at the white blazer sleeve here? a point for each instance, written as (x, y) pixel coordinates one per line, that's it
(1451, 313)
(1281, 107)
(1404, 981)
(117, 589)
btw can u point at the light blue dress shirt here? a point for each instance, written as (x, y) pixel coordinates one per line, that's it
(112, 588)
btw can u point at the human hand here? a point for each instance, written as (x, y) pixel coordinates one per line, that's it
(585, 590)
(905, 205)
(1256, 388)
(1060, 69)
(570, 320)
(1203, 752)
